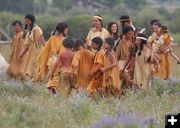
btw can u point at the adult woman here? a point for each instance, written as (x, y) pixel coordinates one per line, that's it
(113, 31)
(157, 42)
(34, 42)
(97, 31)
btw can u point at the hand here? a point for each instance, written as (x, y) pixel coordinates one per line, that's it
(102, 69)
(157, 67)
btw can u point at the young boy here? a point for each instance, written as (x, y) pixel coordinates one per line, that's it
(65, 61)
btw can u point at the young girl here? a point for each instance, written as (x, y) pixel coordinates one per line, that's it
(34, 42)
(168, 40)
(81, 64)
(111, 82)
(142, 70)
(96, 74)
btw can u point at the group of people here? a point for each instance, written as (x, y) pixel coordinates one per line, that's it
(104, 62)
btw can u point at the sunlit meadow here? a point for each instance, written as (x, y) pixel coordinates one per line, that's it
(31, 106)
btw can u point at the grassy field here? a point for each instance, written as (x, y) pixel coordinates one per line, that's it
(23, 105)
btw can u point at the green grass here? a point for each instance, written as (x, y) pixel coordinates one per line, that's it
(33, 107)
(25, 106)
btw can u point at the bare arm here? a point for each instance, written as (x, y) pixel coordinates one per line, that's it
(113, 63)
(56, 65)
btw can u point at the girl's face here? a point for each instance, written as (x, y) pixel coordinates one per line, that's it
(28, 22)
(106, 46)
(156, 29)
(137, 42)
(96, 23)
(114, 28)
(94, 46)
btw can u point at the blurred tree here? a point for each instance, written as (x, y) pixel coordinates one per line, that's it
(47, 23)
(17, 6)
(135, 4)
(79, 25)
(64, 5)
(40, 6)
(110, 3)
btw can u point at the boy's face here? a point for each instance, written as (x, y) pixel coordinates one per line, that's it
(16, 28)
(125, 23)
(130, 34)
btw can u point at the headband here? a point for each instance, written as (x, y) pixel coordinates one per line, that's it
(98, 17)
(142, 38)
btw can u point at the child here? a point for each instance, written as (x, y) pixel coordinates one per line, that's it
(168, 40)
(81, 64)
(111, 82)
(65, 61)
(96, 74)
(142, 70)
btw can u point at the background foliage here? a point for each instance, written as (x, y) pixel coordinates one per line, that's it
(78, 13)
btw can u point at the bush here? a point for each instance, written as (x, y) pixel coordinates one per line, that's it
(6, 19)
(47, 23)
(176, 37)
(79, 25)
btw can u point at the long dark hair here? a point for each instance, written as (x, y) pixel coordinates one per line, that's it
(60, 27)
(33, 20)
(79, 42)
(109, 30)
(98, 41)
(142, 43)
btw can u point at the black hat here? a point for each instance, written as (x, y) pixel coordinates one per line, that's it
(124, 18)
